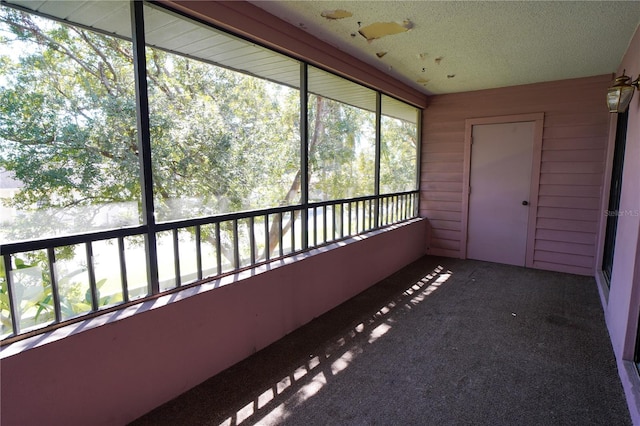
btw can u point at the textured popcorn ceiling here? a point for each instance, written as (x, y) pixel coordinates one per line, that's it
(456, 46)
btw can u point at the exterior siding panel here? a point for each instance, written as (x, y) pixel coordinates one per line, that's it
(575, 136)
(570, 190)
(566, 236)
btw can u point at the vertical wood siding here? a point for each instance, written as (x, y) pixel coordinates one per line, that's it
(576, 125)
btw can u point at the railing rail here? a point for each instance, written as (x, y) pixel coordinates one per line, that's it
(221, 244)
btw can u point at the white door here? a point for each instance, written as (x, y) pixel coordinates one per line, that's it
(500, 178)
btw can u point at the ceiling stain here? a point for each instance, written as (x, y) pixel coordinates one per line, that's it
(450, 75)
(382, 29)
(381, 54)
(422, 81)
(423, 56)
(438, 60)
(336, 14)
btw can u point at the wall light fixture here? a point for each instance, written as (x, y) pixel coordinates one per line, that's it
(619, 95)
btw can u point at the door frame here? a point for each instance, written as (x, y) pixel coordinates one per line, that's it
(538, 119)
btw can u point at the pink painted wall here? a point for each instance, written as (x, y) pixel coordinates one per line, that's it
(112, 374)
(116, 367)
(576, 126)
(622, 308)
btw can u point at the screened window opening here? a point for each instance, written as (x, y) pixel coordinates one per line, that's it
(68, 162)
(341, 117)
(398, 146)
(225, 121)
(244, 156)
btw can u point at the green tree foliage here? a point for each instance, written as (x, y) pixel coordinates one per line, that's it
(341, 150)
(221, 140)
(67, 118)
(225, 140)
(398, 155)
(69, 132)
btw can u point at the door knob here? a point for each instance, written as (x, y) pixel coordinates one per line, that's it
(525, 203)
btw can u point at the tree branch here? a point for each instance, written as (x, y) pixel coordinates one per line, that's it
(295, 185)
(98, 52)
(45, 40)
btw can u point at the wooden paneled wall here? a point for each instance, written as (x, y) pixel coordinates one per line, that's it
(576, 126)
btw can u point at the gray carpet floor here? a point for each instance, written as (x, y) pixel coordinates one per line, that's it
(441, 342)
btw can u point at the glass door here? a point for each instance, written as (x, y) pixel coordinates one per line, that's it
(614, 196)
